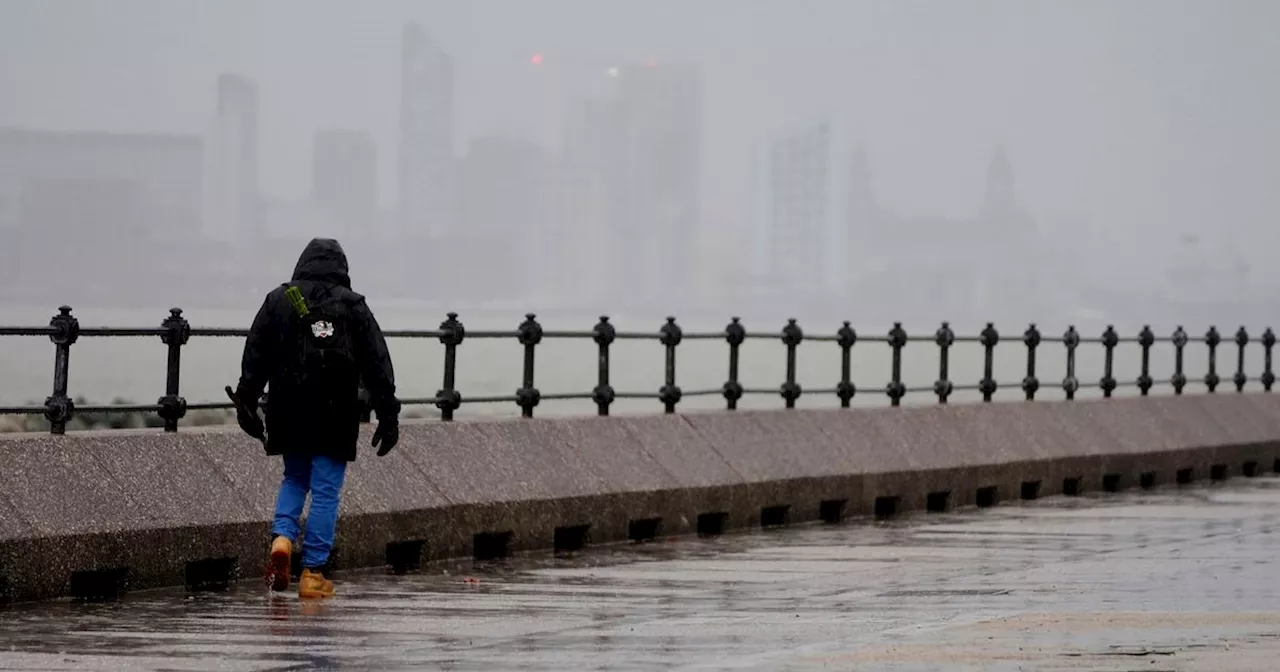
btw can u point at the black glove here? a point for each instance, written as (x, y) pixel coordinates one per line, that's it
(387, 435)
(247, 414)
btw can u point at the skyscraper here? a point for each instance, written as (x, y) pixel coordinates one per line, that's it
(579, 242)
(505, 199)
(344, 178)
(428, 171)
(862, 215)
(800, 212)
(231, 195)
(660, 118)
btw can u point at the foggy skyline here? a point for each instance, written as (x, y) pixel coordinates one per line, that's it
(1121, 111)
(1129, 129)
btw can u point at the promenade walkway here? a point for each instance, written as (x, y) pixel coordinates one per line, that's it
(1176, 578)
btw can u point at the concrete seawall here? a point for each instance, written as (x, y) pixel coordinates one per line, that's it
(89, 514)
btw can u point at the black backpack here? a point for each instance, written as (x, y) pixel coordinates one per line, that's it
(327, 375)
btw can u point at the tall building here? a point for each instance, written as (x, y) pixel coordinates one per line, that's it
(344, 179)
(428, 179)
(232, 206)
(579, 241)
(799, 209)
(863, 216)
(505, 199)
(657, 207)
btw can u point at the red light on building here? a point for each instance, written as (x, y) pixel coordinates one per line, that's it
(536, 59)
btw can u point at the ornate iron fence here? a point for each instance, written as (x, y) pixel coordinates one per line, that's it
(174, 332)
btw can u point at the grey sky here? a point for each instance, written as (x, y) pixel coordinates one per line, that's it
(1144, 115)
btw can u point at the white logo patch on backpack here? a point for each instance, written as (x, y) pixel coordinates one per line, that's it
(322, 329)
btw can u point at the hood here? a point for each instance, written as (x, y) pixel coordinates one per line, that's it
(323, 261)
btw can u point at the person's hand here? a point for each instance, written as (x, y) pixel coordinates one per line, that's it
(247, 415)
(251, 423)
(387, 435)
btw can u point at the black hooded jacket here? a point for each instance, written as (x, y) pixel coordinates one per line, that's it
(272, 349)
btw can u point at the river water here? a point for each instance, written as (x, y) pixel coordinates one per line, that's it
(103, 369)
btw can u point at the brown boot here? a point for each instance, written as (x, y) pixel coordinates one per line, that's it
(278, 565)
(312, 584)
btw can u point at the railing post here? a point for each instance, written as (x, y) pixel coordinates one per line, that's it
(1212, 338)
(1031, 384)
(1109, 341)
(1242, 340)
(792, 335)
(1070, 383)
(735, 334)
(846, 337)
(670, 392)
(897, 340)
(177, 331)
(1180, 341)
(448, 399)
(945, 338)
(529, 333)
(1268, 342)
(1146, 339)
(604, 334)
(58, 408)
(989, 338)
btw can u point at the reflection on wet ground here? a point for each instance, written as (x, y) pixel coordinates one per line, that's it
(1162, 580)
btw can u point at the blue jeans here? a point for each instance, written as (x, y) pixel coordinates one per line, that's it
(322, 477)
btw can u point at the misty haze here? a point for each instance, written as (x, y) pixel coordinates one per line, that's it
(1085, 163)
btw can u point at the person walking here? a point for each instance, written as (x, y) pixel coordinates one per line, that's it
(311, 345)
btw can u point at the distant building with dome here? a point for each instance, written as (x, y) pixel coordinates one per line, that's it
(994, 262)
(823, 237)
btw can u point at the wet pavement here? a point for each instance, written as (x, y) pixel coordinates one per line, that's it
(1170, 579)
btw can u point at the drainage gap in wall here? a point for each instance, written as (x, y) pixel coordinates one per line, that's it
(1275, 466)
(1030, 489)
(937, 502)
(99, 584)
(831, 511)
(775, 516)
(1111, 482)
(643, 529)
(712, 524)
(1185, 476)
(571, 538)
(988, 496)
(491, 545)
(1071, 486)
(1218, 472)
(887, 506)
(405, 556)
(1249, 469)
(1147, 480)
(209, 574)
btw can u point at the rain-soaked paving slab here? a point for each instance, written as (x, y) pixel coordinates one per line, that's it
(1171, 579)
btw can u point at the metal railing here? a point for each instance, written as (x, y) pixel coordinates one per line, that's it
(174, 332)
